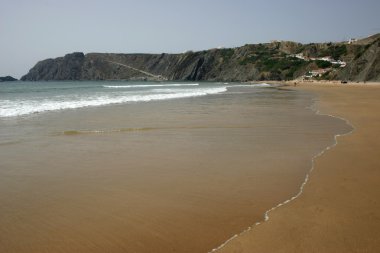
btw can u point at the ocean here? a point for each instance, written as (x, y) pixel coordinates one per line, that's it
(23, 98)
(122, 166)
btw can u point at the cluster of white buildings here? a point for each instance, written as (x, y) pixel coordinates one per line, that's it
(315, 73)
(319, 72)
(342, 64)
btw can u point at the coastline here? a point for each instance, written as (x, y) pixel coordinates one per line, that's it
(75, 191)
(329, 215)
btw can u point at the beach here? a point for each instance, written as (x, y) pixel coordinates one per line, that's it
(164, 175)
(338, 210)
(189, 126)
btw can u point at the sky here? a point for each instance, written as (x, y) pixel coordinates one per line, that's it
(33, 30)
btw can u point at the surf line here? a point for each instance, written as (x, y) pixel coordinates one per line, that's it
(313, 107)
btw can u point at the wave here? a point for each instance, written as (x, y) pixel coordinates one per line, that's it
(12, 108)
(262, 85)
(150, 85)
(255, 85)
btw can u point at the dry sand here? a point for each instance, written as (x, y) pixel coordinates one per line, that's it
(338, 210)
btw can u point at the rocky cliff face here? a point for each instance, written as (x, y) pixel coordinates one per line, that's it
(270, 61)
(69, 67)
(204, 65)
(7, 79)
(365, 66)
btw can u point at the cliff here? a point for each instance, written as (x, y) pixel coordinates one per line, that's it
(204, 65)
(269, 61)
(7, 79)
(365, 66)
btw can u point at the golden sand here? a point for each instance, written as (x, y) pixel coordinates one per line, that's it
(170, 176)
(338, 210)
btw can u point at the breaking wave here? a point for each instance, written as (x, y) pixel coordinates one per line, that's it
(11, 108)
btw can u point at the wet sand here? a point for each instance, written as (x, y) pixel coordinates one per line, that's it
(180, 175)
(338, 210)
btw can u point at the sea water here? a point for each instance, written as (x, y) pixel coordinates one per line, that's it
(23, 98)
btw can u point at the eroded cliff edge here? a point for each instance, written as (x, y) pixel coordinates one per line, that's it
(278, 60)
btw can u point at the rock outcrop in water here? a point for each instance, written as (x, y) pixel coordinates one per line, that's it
(7, 79)
(278, 60)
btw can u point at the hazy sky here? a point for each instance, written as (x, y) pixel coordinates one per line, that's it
(32, 30)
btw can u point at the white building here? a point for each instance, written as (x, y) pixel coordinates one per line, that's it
(352, 40)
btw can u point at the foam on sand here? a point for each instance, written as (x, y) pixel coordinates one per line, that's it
(150, 85)
(301, 189)
(255, 85)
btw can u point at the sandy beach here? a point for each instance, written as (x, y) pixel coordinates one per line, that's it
(179, 175)
(338, 210)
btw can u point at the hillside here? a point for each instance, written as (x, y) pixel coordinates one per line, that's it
(7, 79)
(278, 60)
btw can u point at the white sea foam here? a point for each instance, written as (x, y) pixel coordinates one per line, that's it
(254, 85)
(150, 85)
(263, 85)
(11, 108)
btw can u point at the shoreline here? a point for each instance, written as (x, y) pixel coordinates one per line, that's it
(251, 240)
(307, 177)
(204, 149)
(279, 178)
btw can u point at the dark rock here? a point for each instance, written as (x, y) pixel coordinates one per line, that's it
(7, 79)
(366, 67)
(68, 67)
